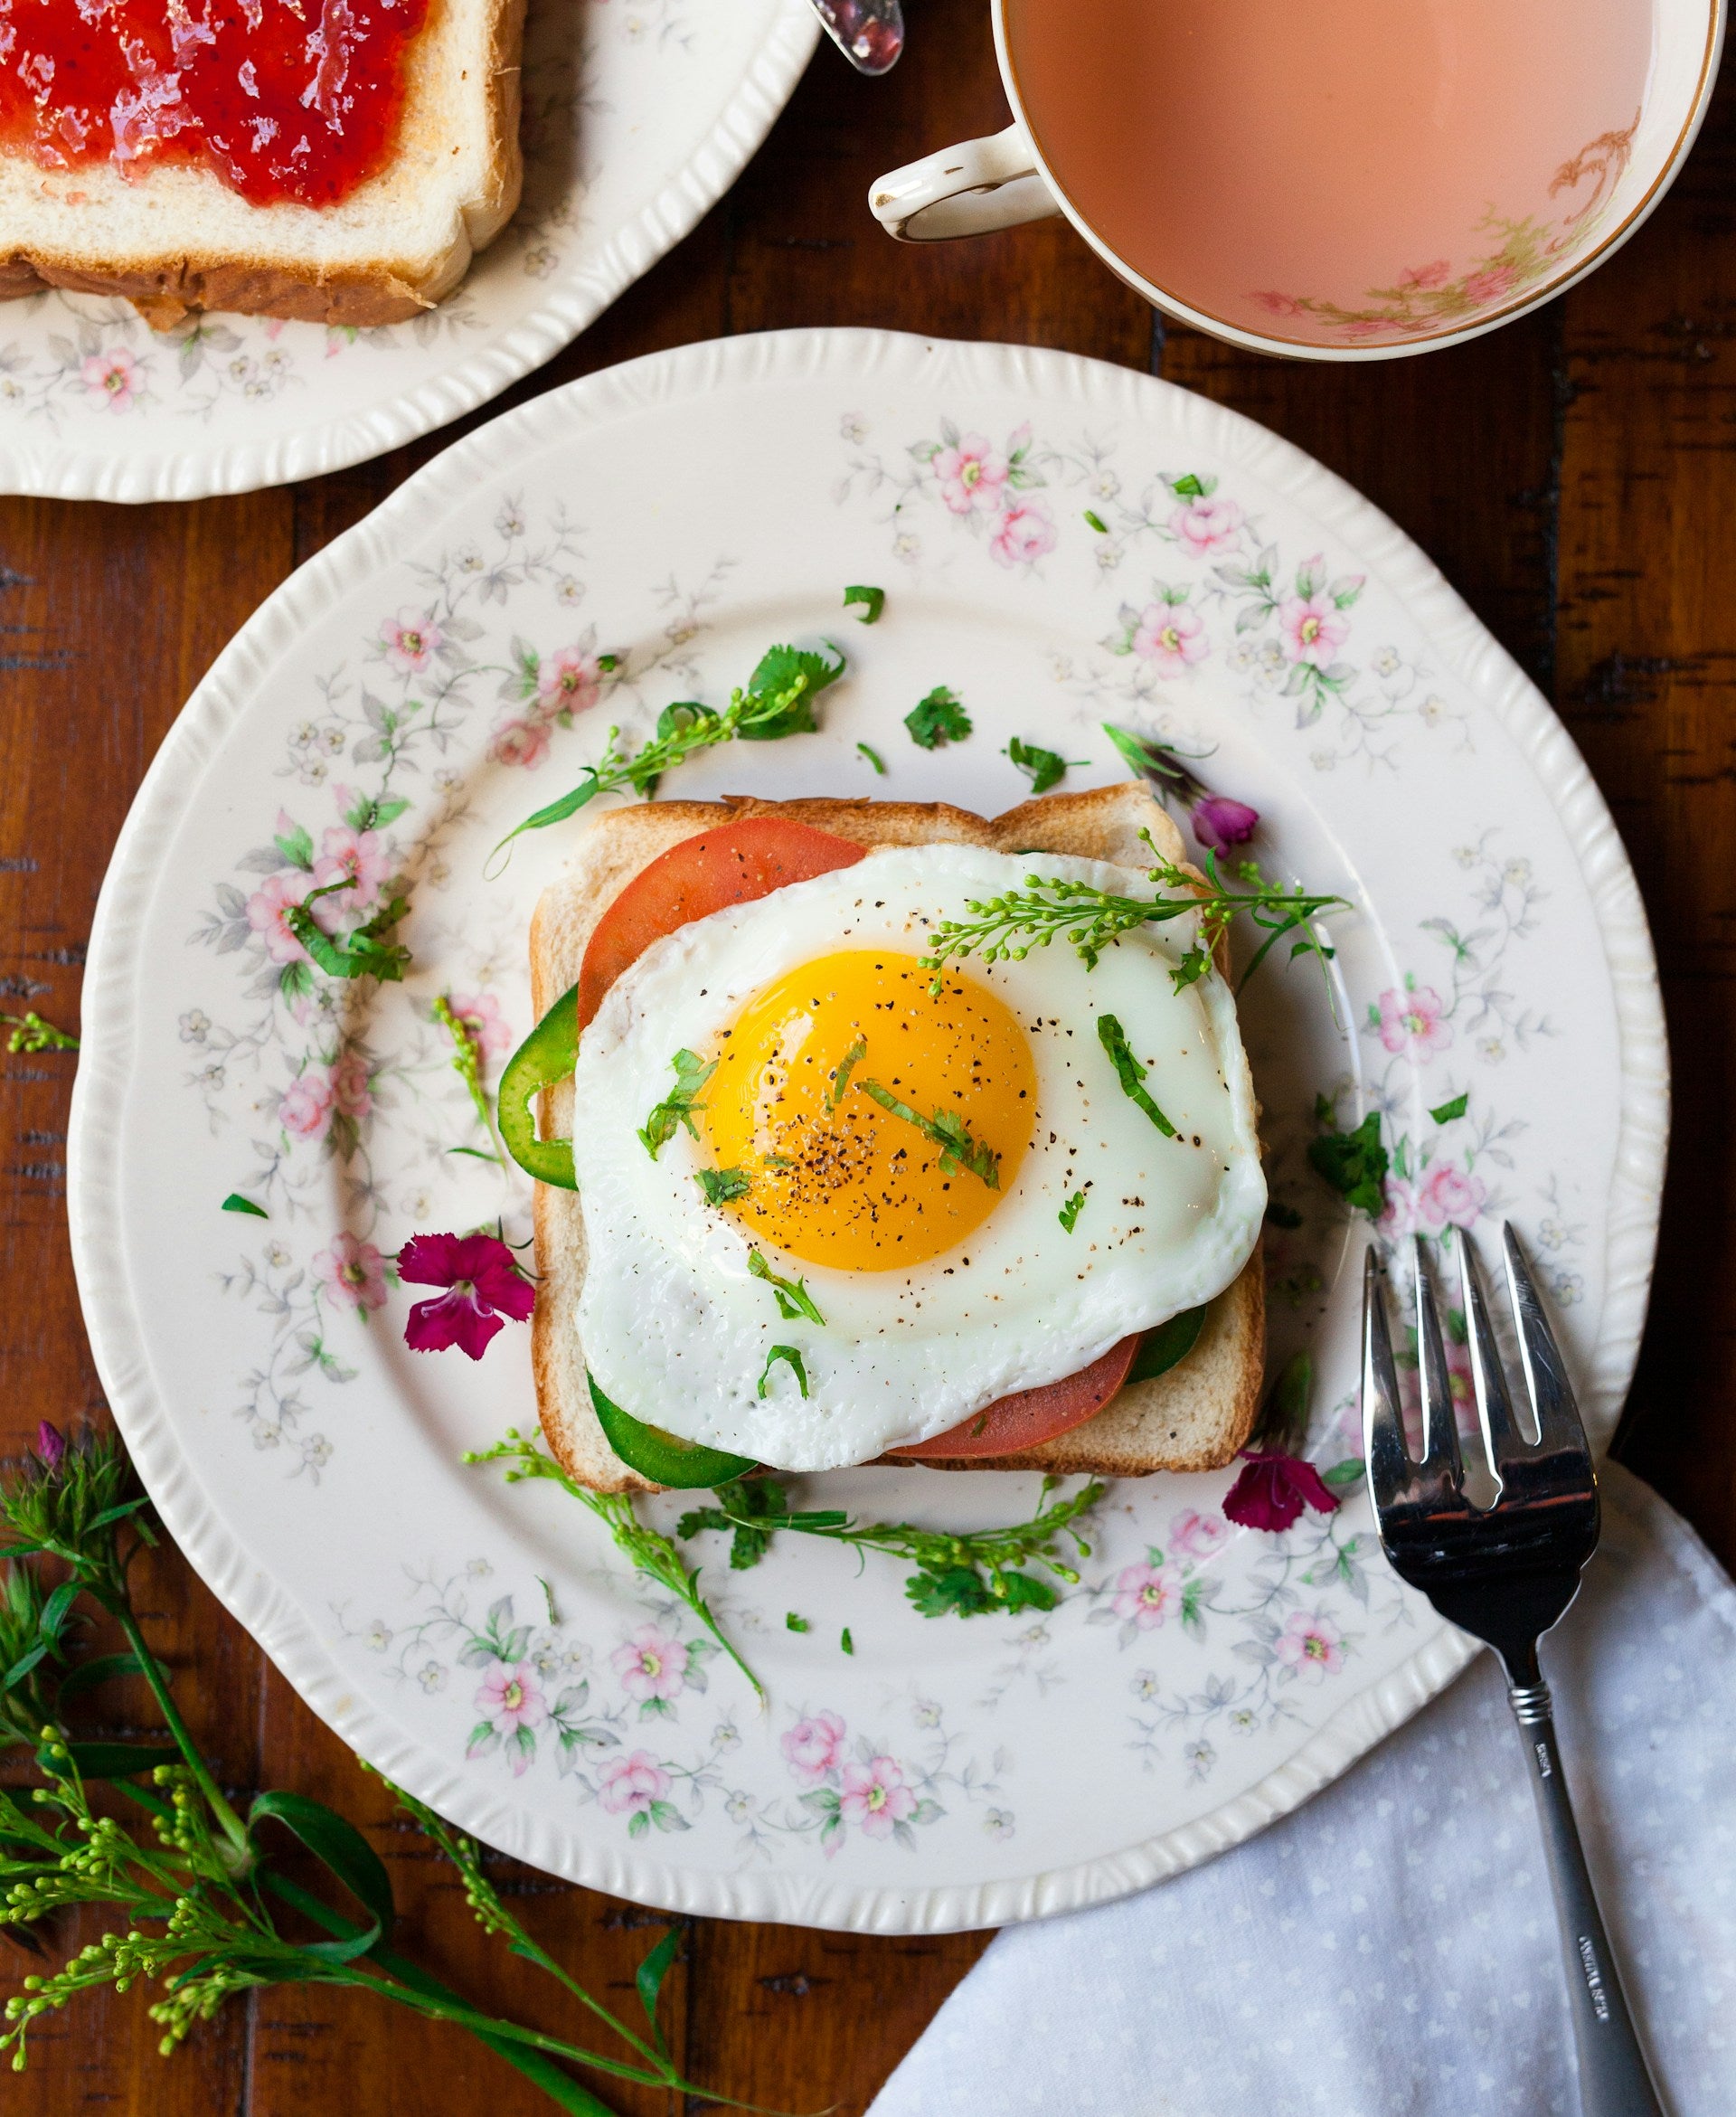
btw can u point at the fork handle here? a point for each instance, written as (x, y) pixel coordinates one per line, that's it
(1615, 2080)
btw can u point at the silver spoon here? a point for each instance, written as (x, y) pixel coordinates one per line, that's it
(869, 33)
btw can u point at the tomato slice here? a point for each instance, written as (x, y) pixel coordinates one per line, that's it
(732, 864)
(1033, 1415)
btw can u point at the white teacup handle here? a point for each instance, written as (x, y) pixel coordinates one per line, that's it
(967, 190)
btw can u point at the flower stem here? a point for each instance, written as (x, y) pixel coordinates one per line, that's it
(233, 1829)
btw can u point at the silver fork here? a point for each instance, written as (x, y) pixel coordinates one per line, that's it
(1505, 1573)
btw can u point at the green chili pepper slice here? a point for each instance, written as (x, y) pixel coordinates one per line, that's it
(1167, 1346)
(665, 1457)
(547, 1054)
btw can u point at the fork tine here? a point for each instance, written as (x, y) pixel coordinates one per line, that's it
(1501, 1438)
(1383, 1451)
(1439, 1427)
(1559, 1426)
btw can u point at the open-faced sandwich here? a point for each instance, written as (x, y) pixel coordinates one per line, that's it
(823, 1183)
(335, 160)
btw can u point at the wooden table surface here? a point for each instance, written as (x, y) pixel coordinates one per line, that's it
(1574, 476)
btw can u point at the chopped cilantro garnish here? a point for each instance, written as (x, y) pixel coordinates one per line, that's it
(938, 720)
(692, 1072)
(872, 598)
(1129, 1071)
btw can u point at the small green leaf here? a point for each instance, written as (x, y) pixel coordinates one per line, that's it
(677, 1107)
(341, 1848)
(874, 756)
(1355, 1164)
(1070, 1213)
(1043, 768)
(1166, 1346)
(1129, 1071)
(792, 1360)
(845, 1641)
(1348, 1472)
(1093, 520)
(103, 1668)
(937, 720)
(875, 599)
(794, 1623)
(650, 1974)
(1449, 1110)
(235, 1203)
(794, 1300)
(847, 1065)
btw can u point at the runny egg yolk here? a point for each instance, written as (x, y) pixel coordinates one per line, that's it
(878, 1123)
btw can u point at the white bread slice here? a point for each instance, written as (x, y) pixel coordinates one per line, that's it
(1194, 1418)
(177, 238)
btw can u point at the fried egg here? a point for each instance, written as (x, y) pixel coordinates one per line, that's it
(933, 1192)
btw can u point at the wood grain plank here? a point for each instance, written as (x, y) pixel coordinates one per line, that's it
(108, 618)
(1647, 686)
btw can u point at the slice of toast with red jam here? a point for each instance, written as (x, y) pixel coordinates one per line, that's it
(338, 161)
(1195, 1417)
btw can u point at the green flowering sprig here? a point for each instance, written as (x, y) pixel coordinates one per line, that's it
(191, 1882)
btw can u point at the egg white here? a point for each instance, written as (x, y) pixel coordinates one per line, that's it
(677, 1331)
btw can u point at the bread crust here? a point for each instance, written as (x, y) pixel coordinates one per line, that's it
(1193, 1418)
(270, 280)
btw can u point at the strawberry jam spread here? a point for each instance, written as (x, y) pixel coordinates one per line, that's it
(281, 98)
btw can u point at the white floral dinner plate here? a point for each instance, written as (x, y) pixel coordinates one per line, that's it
(1060, 542)
(638, 115)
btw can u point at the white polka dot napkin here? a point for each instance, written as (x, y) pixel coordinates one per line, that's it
(1390, 1950)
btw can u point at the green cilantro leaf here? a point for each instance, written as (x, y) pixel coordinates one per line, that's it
(874, 756)
(692, 1072)
(721, 1184)
(875, 599)
(1455, 1109)
(1043, 768)
(938, 720)
(1068, 1214)
(1355, 1164)
(792, 1623)
(779, 669)
(235, 1203)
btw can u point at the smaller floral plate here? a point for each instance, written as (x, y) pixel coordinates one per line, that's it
(638, 115)
(1062, 544)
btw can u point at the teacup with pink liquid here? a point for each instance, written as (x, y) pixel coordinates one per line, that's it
(1339, 180)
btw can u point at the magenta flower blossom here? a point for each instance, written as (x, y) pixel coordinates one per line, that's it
(1219, 822)
(51, 1447)
(484, 1286)
(1274, 1488)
